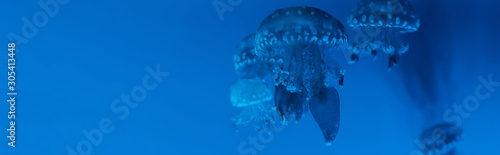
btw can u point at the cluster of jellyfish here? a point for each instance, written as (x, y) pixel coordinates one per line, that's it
(288, 68)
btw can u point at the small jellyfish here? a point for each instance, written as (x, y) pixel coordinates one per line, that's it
(300, 41)
(255, 99)
(378, 23)
(440, 139)
(253, 92)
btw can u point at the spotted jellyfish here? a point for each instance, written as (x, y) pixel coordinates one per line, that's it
(253, 93)
(379, 23)
(300, 41)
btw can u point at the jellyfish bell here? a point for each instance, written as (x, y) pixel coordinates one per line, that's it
(247, 92)
(378, 23)
(246, 62)
(440, 139)
(300, 40)
(254, 97)
(244, 59)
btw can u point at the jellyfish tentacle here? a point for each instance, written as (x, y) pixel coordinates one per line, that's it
(393, 60)
(393, 46)
(325, 108)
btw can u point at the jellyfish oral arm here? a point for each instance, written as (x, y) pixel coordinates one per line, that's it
(325, 108)
(289, 105)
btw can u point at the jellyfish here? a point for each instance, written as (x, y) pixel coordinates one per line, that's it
(253, 93)
(299, 43)
(440, 139)
(255, 99)
(379, 23)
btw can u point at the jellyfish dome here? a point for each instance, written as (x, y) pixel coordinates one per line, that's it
(247, 92)
(298, 42)
(440, 139)
(246, 62)
(255, 99)
(378, 23)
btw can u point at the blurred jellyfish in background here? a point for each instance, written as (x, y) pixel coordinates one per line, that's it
(253, 92)
(431, 86)
(378, 24)
(440, 139)
(299, 42)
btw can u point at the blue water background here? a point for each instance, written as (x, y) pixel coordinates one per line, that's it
(91, 52)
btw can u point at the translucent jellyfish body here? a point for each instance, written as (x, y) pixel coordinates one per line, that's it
(440, 139)
(255, 99)
(253, 93)
(298, 41)
(378, 24)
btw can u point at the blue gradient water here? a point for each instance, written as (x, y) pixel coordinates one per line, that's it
(92, 52)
